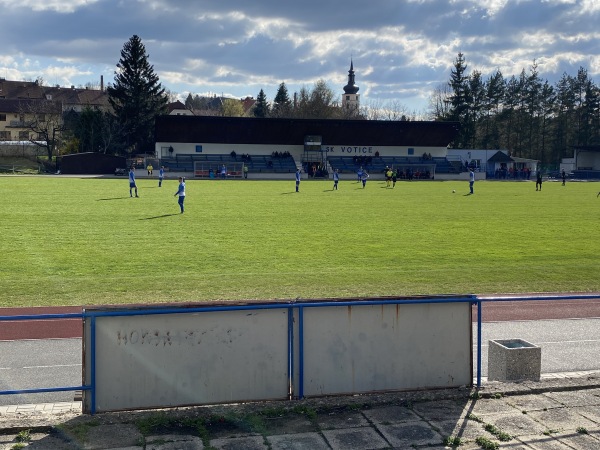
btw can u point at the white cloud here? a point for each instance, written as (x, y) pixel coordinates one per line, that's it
(401, 50)
(60, 6)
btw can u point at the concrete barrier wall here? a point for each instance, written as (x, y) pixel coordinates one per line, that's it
(386, 347)
(195, 355)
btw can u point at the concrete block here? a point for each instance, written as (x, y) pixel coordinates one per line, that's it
(514, 360)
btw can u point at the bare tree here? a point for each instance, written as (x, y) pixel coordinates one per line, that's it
(44, 123)
(440, 102)
(386, 110)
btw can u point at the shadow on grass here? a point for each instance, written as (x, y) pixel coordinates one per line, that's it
(115, 198)
(291, 192)
(159, 217)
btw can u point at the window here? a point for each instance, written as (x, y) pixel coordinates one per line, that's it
(198, 149)
(411, 151)
(23, 135)
(5, 135)
(2, 117)
(41, 117)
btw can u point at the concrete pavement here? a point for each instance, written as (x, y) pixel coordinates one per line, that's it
(562, 411)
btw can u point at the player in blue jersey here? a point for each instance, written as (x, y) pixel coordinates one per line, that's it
(161, 175)
(359, 174)
(336, 178)
(297, 180)
(132, 184)
(364, 177)
(181, 193)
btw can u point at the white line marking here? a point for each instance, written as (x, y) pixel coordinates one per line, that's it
(50, 367)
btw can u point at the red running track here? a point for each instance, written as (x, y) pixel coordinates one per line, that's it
(492, 311)
(40, 329)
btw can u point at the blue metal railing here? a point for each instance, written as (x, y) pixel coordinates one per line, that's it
(44, 317)
(291, 306)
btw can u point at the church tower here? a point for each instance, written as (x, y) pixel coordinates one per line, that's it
(350, 99)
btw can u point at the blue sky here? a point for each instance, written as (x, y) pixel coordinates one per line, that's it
(402, 49)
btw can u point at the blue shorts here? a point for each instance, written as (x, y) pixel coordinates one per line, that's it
(132, 185)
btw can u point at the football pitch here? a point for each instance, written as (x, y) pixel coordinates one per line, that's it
(84, 241)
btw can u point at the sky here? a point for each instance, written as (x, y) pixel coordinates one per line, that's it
(402, 50)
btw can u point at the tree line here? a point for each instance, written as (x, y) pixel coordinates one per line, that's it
(525, 114)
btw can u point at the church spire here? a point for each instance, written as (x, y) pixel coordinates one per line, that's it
(350, 98)
(351, 87)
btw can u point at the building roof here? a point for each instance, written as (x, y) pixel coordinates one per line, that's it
(500, 157)
(241, 130)
(176, 105)
(30, 90)
(24, 106)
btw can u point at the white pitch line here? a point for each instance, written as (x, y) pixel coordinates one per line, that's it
(50, 367)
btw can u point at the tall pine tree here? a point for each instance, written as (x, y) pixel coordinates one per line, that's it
(136, 97)
(282, 106)
(261, 107)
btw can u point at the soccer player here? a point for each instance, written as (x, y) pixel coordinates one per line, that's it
(297, 180)
(388, 176)
(359, 174)
(161, 175)
(336, 178)
(538, 180)
(364, 177)
(150, 169)
(181, 193)
(471, 179)
(132, 184)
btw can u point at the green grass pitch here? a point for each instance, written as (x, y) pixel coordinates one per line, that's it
(79, 241)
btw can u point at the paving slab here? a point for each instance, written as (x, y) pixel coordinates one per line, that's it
(576, 398)
(579, 441)
(464, 428)
(239, 443)
(391, 414)
(43, 441)
(442, 409)
(173, 442)
(516, 425)
(115, 436)
(300, 441)
(544, 443)
(341, 419)
(589, 412)
(532, 402)
(561, 419)
(355, 439)
(486, 406)
(403, 435)
(287, 424)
